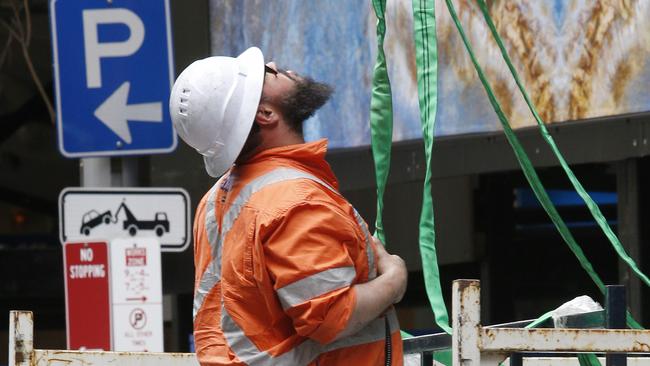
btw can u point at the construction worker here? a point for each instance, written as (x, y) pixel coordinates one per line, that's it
(286, 270)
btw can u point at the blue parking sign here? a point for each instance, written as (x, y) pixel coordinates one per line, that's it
(113, 73)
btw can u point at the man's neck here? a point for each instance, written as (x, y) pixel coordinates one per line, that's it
(271, 139)
(280, 136)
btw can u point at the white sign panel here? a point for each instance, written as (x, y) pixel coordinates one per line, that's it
(136, 295)
(87, 214)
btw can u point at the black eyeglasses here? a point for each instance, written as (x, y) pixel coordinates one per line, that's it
(270, 70)
(275, 72)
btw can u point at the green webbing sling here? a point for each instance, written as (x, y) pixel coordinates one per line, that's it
(382, 153)
(523, 160)
(381, 117)
(528, 169)
(593, 207)
(426, 57)
(381, 133)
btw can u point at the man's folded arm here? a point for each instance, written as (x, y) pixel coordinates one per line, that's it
(374, 297)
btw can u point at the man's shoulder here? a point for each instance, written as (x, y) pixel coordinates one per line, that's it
(276, 188)
(301, 190)
(304, 200)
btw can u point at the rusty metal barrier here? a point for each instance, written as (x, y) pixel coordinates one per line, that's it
(529, 347)
(22, 352)
(426, 345)
(473, 344)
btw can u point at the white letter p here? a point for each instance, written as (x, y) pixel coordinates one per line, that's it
(94, 50)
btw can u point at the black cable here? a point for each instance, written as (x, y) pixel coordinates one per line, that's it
(388, 349)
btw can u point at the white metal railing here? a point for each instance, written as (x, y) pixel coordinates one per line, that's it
(22, 352)
(473, 344)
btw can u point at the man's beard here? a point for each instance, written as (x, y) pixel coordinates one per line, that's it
(305, 99)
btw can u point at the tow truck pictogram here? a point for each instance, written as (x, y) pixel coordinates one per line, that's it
(92, 219)
(159, 224)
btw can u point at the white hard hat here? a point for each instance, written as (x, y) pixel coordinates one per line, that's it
(213, 105)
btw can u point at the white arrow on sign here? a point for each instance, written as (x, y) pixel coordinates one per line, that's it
(115, 112)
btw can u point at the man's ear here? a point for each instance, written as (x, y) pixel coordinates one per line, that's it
(266, 116)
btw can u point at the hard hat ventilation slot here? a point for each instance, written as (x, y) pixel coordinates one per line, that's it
(182, 111)
(184, 98)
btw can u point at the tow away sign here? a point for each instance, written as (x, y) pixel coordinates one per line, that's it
(136, 295)
(107, 214)
(114, 295)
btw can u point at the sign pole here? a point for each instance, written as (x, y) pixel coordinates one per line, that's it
(95, 172)
(111, 95)
(129, 173)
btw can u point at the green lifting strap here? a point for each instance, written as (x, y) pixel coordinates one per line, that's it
(381, 133)
(381, 117)
(588, 359)
(426, 57)
(593, 207)
(528, 169)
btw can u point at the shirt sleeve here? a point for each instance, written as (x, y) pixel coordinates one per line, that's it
(308, 257)
(201, 253)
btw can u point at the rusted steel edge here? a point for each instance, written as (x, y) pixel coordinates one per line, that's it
(564, 340)
(573, 361)
(21, 337)
(122, 358)
(466, 318)
(71, 353)
(442, 341)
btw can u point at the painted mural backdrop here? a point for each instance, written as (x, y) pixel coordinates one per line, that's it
(577, 58)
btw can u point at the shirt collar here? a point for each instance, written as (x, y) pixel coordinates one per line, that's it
(309, 156)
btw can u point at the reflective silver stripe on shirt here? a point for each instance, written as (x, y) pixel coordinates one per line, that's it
(370, 253)
(315, 285)
(248, 353)
(208, 280)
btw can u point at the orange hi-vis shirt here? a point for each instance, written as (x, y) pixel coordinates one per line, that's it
(277, 251)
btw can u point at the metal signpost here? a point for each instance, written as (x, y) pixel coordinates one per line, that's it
(113, 213)
(113, 72)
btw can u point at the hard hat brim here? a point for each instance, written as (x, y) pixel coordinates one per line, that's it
(251, 62)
